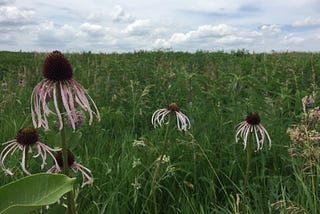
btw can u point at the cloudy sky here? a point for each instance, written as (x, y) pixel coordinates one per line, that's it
(182, 25)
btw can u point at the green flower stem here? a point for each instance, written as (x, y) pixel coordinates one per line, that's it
(64, 152)
(158, 163)
(247, 175)
(70, 196)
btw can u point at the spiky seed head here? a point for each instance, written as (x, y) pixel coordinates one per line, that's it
(27, 136)
(59, 158)
(253, 118)
(57, 67)
(173, 107)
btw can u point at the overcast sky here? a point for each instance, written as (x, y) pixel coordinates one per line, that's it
(182, 25)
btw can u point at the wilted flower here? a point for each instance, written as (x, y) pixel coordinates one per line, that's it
(78, 120)
(26, 138)
(85, 172)
(66, 93)
(299, 135)
(159, 117)
(252, 124)
(313, 115)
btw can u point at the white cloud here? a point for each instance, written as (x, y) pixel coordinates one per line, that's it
(194, 25)
(203, 32)
(161, 43)
(177, 38)
(234, 40)
(270, 30)
(5, 2)
(6, 38)
(119, 15)
(49, 35)
(15, 27)
(115, 16)
(309, 21)
(291, 39)
(93, 29)
(13, 15)
(205, 37)
(98, 17)
(221, 6)
(138, 27)
(226, 37)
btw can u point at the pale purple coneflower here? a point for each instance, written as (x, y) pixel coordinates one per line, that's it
(4, 85)
(21, 83)
(85, 172)
(159, 117)
(252, 125)
(65, 92)
(26, 138)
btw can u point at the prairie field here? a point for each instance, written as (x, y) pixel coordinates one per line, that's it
(205, 168)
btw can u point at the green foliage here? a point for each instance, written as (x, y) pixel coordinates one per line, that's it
(215, 90)
(32, 192)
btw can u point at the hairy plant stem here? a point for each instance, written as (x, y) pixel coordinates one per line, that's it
(247, 175)
(158, 163)
(70, 196)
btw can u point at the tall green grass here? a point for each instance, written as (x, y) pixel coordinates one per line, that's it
(215, 90)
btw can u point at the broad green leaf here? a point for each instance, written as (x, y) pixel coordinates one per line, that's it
(32, 192)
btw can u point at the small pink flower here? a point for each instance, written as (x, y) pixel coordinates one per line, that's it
(26, 138)
(252, 124)
(85, 172)
(159, 117)
(59, 86)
